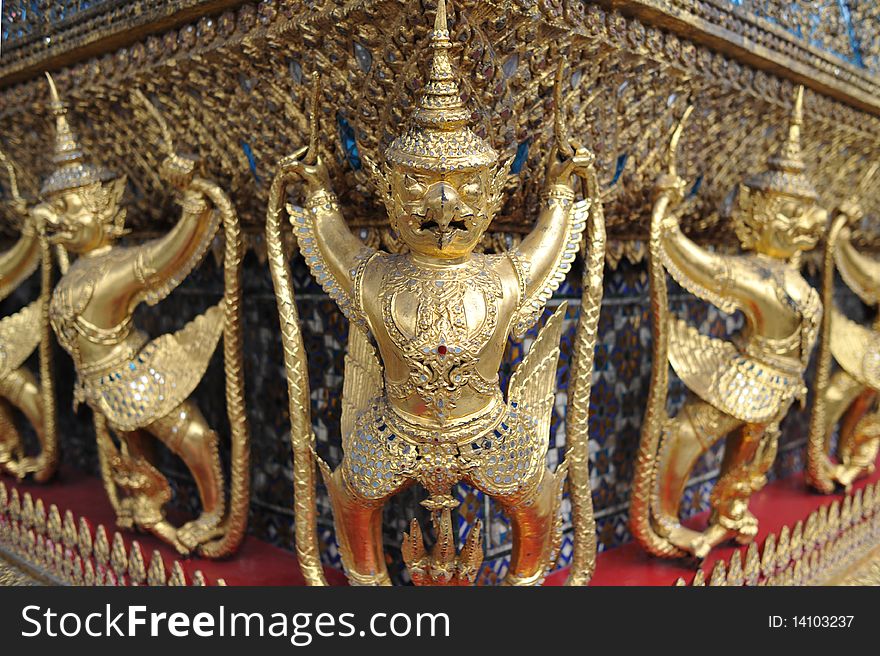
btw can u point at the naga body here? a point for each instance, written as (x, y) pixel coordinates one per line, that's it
(740, 389)
(846, 399)
(422, 402)
(139, 388)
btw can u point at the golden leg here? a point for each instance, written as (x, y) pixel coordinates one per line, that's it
(859, 439)
(358, 523)
(841, 393)
(748, 455)
(532, 520)
(21, 389)
(186, 432)
(10, 439)
(686, 438)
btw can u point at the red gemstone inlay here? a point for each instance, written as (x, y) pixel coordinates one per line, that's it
(441, 349)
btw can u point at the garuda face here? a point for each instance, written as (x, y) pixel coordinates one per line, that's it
(85, 218)
(442, 216)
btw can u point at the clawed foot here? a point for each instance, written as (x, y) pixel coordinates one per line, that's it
(199, 531)
(700, 544)
(10, 454)
(695, 543)
(846, 475)
(747, 529)
(30, 465)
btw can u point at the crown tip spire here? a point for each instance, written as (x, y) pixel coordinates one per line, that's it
(797, 115)
(57, 105)
(438, 137)
(440, 18)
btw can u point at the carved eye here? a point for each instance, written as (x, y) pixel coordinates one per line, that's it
(471, 190)
(413, 186)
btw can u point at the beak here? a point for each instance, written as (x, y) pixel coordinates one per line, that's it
(444, 212)
(47, 220)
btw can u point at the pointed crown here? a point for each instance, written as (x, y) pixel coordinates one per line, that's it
(785, 168)
(438, 137)
(71, 169)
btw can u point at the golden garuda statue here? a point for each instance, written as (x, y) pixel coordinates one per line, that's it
(422, 401)
(742, 388)
(20, 334)
(137, 387)
(848, 398)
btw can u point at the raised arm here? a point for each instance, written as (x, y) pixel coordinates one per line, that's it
(332, 252)
(860, 272)
(705, 274)
(163, 263)
(339, 248)
(544, 257)
(21, 260)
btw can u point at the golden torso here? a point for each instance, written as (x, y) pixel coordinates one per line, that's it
(441, 330)
(782, 310)
(90, 308)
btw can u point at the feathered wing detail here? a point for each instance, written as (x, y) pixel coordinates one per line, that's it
(856, 349)
(531, 307)
(533, 384)
(19, 336)
(363, 379)
(158, 291)
(695, 288)
(870, 270)
(716, 372)
(160, 377)
(304, 231)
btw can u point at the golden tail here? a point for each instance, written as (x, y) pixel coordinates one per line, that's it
(818, 463)
(301, 437)
(655, 414)
(235, 523)
(47, 374)
(644, 478)
(577, 427)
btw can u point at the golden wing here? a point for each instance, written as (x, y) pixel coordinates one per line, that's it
(532, 306)
(856, 349)
(19, 335)
(856, 271)
(363, 378)
(533, 384)
(160, 377)
(307, 242)
(716, 372)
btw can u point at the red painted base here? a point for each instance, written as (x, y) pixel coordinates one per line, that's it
(781, 503)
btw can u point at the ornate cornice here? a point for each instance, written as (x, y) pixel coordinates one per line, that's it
(836, 544)
(63, 33)
(753, 34)
(234, 88)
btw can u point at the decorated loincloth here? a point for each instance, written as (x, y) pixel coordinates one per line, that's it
(137, 391)
(742, 386)
(499, 452)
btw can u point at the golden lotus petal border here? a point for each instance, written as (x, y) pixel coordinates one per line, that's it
(57, 549)
(836, 544)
